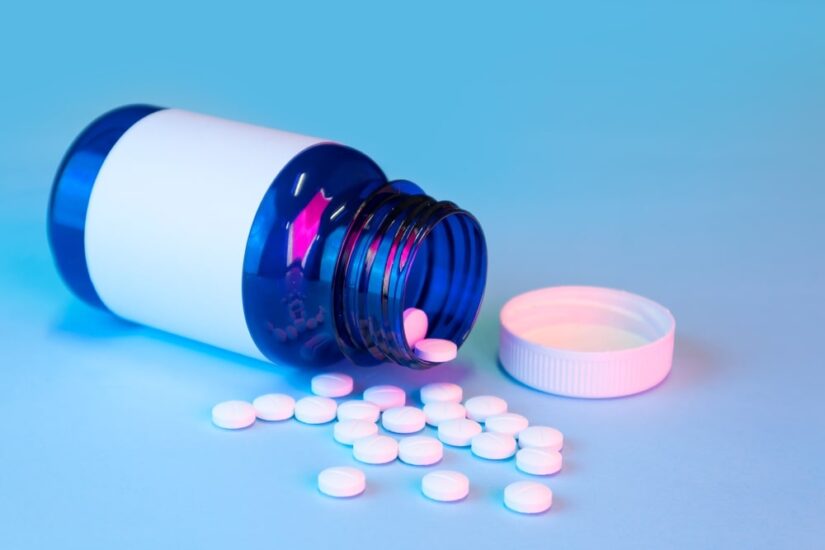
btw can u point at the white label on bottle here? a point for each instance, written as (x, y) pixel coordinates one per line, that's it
(169, 218)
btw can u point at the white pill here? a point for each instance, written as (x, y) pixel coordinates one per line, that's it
(415, 325)
(439, 392)
(332, 384)
(274, 406)
(439, 412)
(385, 397)
(445, 485)
(233, 415)
(435, 350)
(479, 408)
(458, 433)
(528, 497)
(376, 449)
(539, 462)
(507, 423)
(403, 420)
(493, 446)
(348, 432)
(315, 410)
(541, 437)
(342, 481)
(420, 450)
(357, 409)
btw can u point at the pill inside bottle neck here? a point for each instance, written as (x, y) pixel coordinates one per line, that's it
(406, 250)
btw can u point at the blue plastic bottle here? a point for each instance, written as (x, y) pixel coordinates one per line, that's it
(271, 244)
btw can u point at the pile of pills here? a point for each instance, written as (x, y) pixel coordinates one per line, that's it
(481, 423)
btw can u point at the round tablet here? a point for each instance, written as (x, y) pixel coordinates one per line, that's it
(375, 449)
(403, 420)
(542, 437)
(439, 412)
(528, 497)
(458, 433)
(539, 462)
(348, 432)
(274, 406)
(445, 485)
(435, 350)
(342, 481)
(357, 409)
(507, 423)
(233, 415)
(315, 410)
(332, 384)
(415, 325)
(493, 446)
(385, 397)
(420, 450)
(479, 408)
(438, 392)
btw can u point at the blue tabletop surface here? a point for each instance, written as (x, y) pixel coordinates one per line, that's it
(677, 152)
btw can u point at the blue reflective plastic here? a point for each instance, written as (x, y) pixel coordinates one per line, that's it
(71, 190)
(405, 249)
(334, 255)
(293, 248)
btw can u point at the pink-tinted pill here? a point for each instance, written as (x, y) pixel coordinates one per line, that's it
(436, 350)
(415, 325)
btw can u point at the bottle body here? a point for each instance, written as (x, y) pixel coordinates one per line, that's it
(236, 235)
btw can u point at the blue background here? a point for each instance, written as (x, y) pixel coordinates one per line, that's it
(678, 152)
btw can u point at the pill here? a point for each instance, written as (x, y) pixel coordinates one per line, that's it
(274, 406)
(385, 397)
(479, 408)
(342, 481)
(439, 412)
(435, 350)
(233, 415)
(315, 410)
(539, 462)
(445, 485)
(493, 446)
(458, 433)
(415, 325)
(438, 392)
(331, 384)
(348, 432)
(528, 497)
(357, 409)
(542, 437)
(507, 423)
(403, 420)
(375, 449)
(420, 450)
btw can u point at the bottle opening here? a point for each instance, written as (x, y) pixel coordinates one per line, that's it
(407, 250)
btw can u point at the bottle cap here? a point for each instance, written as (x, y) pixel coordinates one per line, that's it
(583, 341)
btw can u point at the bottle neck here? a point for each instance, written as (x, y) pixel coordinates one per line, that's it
(405, 249)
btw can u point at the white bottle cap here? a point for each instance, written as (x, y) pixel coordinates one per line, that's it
(586, 341)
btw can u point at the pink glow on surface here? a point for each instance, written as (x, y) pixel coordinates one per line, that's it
(304, 228)
(405, 251)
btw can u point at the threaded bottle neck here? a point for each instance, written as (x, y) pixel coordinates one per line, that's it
(405, 249)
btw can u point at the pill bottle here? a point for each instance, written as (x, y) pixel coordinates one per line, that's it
(275, 245)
